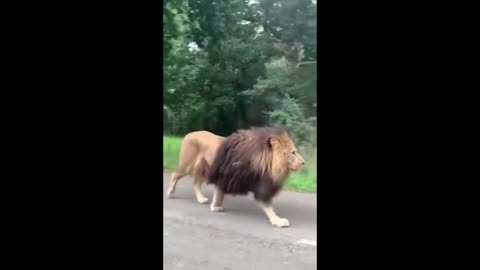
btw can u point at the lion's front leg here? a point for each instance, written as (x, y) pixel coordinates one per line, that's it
(272, 216)
(217, 201)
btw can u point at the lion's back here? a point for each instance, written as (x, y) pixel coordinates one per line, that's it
(203, 139)
(205, 144)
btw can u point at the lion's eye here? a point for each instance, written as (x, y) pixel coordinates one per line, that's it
(293, 152)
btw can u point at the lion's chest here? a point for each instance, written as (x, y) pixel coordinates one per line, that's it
(266, 189)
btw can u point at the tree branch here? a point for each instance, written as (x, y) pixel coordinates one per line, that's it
(305, 63)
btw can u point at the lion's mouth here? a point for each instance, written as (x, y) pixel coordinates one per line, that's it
(296, 169)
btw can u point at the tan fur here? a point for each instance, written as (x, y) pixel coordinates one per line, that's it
(283, 159)
(196, 147)
(272, 216)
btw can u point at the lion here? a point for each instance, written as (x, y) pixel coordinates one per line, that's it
(257, 160)
(196, 155)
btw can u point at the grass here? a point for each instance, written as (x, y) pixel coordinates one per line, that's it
(305, 180)
(171, 152)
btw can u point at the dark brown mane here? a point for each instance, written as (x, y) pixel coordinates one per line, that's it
(243, 164)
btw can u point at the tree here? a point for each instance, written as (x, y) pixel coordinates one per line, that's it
(234, 64)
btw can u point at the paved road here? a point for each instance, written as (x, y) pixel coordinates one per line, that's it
(241, 238)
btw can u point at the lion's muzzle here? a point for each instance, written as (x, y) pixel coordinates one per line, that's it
(297, 163)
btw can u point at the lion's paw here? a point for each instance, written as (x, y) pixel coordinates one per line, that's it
(280, 222)
(202, 200)
(170, 194)
(216, 208)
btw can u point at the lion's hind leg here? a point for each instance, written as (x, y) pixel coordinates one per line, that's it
(197, 188)
(173, 183)
(201, 173)
(188, 154)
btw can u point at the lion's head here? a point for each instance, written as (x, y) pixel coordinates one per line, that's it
(285, 153)
(253, 157)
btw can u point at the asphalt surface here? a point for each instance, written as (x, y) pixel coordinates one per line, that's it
(241, 238)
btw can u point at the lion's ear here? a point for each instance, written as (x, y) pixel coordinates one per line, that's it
(285, 135)
(274, 142)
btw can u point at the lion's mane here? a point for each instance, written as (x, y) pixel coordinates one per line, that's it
(247, 162)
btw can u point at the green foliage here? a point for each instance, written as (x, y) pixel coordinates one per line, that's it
(253, 65)
(171, 152)
(290, 115)
(305, 180)
(279, 89)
